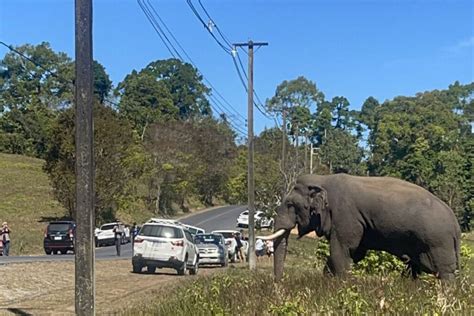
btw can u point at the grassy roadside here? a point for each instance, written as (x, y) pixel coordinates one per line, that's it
(305, 290)
(26, 202)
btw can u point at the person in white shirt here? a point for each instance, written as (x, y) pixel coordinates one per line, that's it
(259, 248)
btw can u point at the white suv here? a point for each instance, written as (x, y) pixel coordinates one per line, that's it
(165, 245)
(106, 236)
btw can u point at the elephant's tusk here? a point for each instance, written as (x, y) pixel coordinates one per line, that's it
(272, 236)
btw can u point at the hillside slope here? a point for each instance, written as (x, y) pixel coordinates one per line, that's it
(26, 202)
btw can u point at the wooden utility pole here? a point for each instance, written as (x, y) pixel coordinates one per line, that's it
(251, 180)
(85, 217)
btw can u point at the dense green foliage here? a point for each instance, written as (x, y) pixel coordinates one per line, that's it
(160, 147)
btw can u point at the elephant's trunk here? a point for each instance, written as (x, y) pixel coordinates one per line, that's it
(280, 246)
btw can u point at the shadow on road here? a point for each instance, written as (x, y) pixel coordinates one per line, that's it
(18, 311)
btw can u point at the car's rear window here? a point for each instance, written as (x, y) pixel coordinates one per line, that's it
(107, 227)
(245, 213)
(192, 230)
(63, 227)
(161, 231)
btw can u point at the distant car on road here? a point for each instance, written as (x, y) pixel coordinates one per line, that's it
(231, 243)
(165, 245)
(105, 234)
(259, 217)
(212, 249)
(59, 237)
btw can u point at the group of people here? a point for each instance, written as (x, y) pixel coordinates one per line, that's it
(119, 232)
(5, 238)
(263, 248)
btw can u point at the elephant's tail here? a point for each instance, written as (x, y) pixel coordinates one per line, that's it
(457, 250)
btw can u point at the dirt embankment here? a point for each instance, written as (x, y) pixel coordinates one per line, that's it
(47, 288)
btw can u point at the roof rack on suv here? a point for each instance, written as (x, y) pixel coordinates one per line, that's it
(164, 221)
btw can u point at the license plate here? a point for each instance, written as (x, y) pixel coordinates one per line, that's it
(57, 238)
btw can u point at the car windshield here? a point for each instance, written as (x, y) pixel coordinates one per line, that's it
(161, 231)
(207, 239)
(107, 227)
(245, 213)
(59, 227)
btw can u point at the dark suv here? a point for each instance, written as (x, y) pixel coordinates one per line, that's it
(59, 237)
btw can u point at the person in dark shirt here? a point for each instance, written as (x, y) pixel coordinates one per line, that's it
(239, 246)
(118, 238)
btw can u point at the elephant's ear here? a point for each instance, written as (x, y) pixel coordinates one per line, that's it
(318, 198)
(319, 206)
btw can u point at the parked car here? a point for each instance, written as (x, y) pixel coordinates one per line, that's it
(194, 230)
(165, 245)
(212, 249)
(231, 243)
(105, 235)
(59, 237)
(259, 217)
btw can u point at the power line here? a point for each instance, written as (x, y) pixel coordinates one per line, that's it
(150, 15)
(234, 52)
(206, 26)
(192, 62)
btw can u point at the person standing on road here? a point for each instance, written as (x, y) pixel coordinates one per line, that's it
(118, 238)
(238, 248)
(5, 235)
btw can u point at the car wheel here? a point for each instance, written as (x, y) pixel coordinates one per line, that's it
(48, 251)
(137, 268)
(151, 269)
(55, 252)
(195, 268)
(184, 268)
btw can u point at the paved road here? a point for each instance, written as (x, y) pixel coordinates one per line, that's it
(219, 218)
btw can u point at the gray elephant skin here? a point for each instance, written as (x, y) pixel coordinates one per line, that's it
(357, 214)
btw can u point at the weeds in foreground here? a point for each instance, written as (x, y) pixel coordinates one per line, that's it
(375, 287)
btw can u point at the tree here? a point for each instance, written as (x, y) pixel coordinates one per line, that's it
(164, 89)
(114, 144)
(294, 97)
(32, 93)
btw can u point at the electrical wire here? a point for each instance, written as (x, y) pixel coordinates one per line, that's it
(233, 52)
(192, 62)
(151, 13)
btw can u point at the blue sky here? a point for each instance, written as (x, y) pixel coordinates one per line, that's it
(348, 48)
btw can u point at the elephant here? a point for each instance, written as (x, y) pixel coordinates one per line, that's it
(356, 214)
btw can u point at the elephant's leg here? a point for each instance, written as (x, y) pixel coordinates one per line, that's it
(358, 254)
(441, 261)
(339, 259)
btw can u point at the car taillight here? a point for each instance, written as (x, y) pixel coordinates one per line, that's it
(178, 243)
(71, 235)
(138, 240)
(46, 232)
